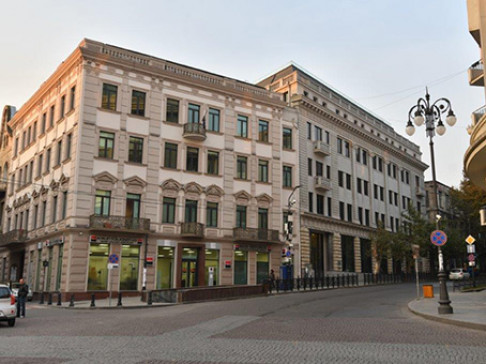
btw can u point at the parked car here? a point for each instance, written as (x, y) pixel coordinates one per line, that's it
(458, 273)
(15, 291)
(8, 308)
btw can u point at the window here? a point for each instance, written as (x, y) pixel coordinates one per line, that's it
(341, 210)
(390, 197)
(39, 165)
(382, 193)
(51, 116)
(341, 178)
(346, 149)
(358, 155)
(102, 203)
(191, 211)
(263, 131)
(138, 103)
(367, 217)
(309, 167)
(318, 133)
(348, 181)
(311, 202)
(29, 135)
(358, 185)
(212, 214)
(34, 131)
(59, 152)
(262, 170)
(73, 98)
(44, 213)
(132, 208)
(108, 101)
(63, 106)
(364, 157)
(107, 142)
(193, 114)
(329, 206)
(36, 212)
(69, 140)
(328, 137)
(287, 176)
(375, 191)
(192, 159)
(213, 124)
(309, 131)
(242, 126)
(287, 138)
(365, 188)
(213, 162)
(172, 111)
(31, 171)
(168, 210)
(43, 124)
(241, 164)
(135, 150)
(170, 155)
(320, 204)
(328, 172)
(319, 167)
(48, 160)
(339, 145)
(263, 218)
(374, 161)
(64, 204)
(360, 215)
(350, 212)
(241, 217)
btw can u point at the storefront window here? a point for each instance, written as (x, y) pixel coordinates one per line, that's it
(98, 267)
(241, 267)
(129, 267)
(165, 262)
(212, 261)
(262, 267)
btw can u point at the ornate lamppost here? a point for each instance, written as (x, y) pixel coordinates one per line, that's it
(432, 114)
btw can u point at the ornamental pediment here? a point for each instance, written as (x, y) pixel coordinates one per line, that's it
(242, 195)
(171, 184)
(63, 179)
(193, 187)
(214, 190)
(105, 177)
(264, 198)
(135, 181)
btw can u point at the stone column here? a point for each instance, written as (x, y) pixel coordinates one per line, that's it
(338, 252)
(357, 255)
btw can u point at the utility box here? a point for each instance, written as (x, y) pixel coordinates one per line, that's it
(428, 290)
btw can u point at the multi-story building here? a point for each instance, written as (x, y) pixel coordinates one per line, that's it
(180, 176)
(475, 157)
(443, 200)
(356, 172)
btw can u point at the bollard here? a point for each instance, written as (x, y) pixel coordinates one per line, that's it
(71, 301)
(49, 298)
(59, 299)
(298, 284)
(119, 304)
(41, 301)
(149, 299)
(92, 300)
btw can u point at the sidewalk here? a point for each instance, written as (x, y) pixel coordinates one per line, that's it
(127, 302)
(469, 308)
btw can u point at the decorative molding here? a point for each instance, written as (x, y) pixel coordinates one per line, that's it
(214, 190)
(135, 182)
(105, 177)
(171, 184)
(193, 187)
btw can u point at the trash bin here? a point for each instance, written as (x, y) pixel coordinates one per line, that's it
(428, 290)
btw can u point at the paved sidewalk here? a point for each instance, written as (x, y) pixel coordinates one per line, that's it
(469, 308)
(127, 302)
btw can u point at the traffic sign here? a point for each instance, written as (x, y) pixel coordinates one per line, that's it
(438, 237)
(113, 258)
(471, 248)
(112, 266)
(471, 257)
(470, 240)
(472, 264)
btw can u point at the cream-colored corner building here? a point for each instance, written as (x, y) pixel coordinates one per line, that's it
(356, 171)
(475, 157)
(126, 157)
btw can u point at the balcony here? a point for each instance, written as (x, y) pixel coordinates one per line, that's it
(477, 115)
(14, 236)
(192, 230)
(256, 235)
(194, 131)
(322, 183)
(419, 192)
(119, 223)
(321, 148)
(476, 74)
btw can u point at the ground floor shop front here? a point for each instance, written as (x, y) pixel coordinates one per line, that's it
(86, 262)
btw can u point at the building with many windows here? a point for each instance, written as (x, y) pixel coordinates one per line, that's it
(180, 176)
(356, 172)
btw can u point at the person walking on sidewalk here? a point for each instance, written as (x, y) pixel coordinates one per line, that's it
(21, 298)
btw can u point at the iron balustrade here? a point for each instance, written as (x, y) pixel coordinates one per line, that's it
(119, 222)
(252, 234)
(192, 229)
(194, 130)
(13, 236)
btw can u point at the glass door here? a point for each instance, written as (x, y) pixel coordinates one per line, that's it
(189, 273)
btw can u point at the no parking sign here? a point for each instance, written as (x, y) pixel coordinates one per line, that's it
(438, 237)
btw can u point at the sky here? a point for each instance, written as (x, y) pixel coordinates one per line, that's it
(380, 53)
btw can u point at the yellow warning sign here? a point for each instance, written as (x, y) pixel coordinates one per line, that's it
(470, 240)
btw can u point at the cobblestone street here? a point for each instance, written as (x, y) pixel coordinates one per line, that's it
(360, 325)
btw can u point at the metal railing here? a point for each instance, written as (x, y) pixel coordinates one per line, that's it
(322, 183)
(194, 130)
(13, 236)
(119, 222)
(251, 234)
(478, 114)
(192, 229)
(321, 147)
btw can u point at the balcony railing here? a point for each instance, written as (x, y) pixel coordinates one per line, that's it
(118, 223)
(194, 131)
(478, 114)
(476, 74)
(251, 234)
(321, 148)
(322, 183)
(192, 230)
(13, 236)
(419, 192)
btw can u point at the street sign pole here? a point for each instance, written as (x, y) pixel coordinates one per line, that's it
(439, 238)
(109, 286)
(417, 283)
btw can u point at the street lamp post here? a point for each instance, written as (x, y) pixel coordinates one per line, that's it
(290, 203)
(432, 114)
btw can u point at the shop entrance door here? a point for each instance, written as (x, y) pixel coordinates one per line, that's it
(189, 273)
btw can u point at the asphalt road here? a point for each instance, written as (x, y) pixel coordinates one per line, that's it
(355, 325)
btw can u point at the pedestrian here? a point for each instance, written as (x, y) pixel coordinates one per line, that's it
(22, 293)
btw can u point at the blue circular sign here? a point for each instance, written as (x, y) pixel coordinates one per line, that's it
(113, 258)
(438, 237)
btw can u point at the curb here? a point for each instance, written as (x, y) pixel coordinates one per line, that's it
(469, 325)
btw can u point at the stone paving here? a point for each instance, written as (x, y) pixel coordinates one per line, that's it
(366, 325)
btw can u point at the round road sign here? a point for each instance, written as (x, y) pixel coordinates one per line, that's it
(438, 237)
(113, 258)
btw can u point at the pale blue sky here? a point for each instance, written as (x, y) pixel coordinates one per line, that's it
(362, 48)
